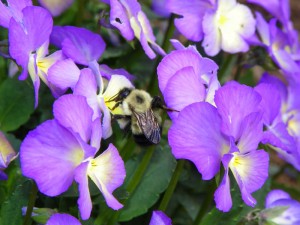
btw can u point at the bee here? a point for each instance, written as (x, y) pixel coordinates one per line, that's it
(140, 113)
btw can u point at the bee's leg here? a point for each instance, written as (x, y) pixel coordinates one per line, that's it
(127, 130)
(119, 116)
(116, 105)
(157, 102)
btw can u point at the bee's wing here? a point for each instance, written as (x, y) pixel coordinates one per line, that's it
(148, 125)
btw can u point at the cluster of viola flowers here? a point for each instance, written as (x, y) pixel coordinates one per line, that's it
(213, 126)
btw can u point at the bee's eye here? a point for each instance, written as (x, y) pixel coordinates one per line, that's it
(139, 99)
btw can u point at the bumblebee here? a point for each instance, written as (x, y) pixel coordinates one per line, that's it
(140, 114)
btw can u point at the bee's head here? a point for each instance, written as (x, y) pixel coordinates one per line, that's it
(140, 100)
(121, 95)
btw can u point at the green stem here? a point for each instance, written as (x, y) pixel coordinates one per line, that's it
(31, 202)
(172, 185)
(135, 180)
(153, 84)
(127, 149)
(239, 69)
(80, 12)
(141, 170)
(226, 67)
(206, 203)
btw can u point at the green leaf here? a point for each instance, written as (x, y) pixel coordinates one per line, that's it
(16, 104)
(11, 210)
(154, 182)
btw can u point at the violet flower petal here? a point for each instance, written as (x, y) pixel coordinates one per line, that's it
(87, 87)
(243, 101)
(106, 121)
(222, 195)
(107, 72)
(119, 19)
(82, 48)
(160, 218)
(275, 195)
(183, 89)
(250, 171)
(199, 123)
(175, 61)
(270, 103)
(13, 9)
(62, 219)
(84, 200)
(73, 112)
(55, 153)
(251, 131)
(192, 12)
(64, 74)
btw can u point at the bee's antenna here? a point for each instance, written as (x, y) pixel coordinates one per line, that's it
(157, 102)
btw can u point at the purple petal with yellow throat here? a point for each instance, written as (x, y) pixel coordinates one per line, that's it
(55, 153)
(250, 171)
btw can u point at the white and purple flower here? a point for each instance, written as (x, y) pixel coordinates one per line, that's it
(64, 149)
(28, 45)
(222, 24)
(228, 133)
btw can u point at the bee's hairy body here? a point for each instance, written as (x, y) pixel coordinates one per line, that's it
(140, 115)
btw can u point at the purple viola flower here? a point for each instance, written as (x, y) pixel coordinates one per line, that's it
(12, 10)
(228, 133)
(28, 45)
(62, 219)
(7, 154)
(56, 7)
(216, 23)
(282, 51)
(281, 118)
(64, 150)
(159, 218)
(290, 209)
(128, 17)
(186, 77)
